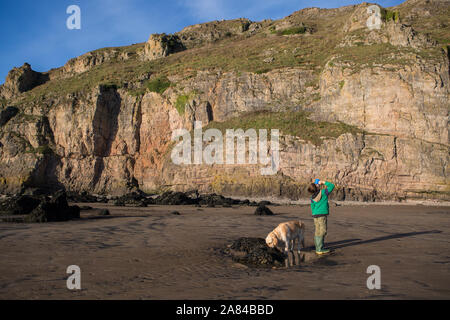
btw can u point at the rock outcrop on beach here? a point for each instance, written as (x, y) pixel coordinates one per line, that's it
(262, 210)
(54, 208)
(254, 252)
(366, 109)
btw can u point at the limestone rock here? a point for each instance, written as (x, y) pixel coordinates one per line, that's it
(89, 60)
(7, 114)
(405, 36)
(21, 80)
(161, 45)
(111, 142)
(199, 34)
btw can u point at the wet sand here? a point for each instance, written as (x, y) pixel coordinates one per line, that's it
(148, 253)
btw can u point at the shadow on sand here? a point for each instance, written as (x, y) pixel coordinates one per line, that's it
(355, 242)
(111, 217)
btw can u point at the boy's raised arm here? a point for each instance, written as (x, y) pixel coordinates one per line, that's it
(329, 188)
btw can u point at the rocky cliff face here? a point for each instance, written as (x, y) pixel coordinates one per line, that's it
(21, 80)
(391, 84)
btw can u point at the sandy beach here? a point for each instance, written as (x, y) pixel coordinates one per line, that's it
(149, 253)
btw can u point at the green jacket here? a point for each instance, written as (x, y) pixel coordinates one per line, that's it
(319, 202)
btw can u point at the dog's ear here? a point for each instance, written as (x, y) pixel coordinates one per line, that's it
(269, 239)
(275, 241)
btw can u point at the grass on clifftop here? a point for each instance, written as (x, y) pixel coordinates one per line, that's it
(289, 31)
(289, 123)
(383, 54)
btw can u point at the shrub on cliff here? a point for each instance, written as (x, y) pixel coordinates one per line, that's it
(389, 15)
(295, 124)
(291, 31)
(158, 85)
(181, 102)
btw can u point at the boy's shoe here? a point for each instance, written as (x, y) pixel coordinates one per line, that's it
(324, 251)
(318, 241)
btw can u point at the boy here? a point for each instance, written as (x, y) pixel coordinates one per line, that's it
(320, 211)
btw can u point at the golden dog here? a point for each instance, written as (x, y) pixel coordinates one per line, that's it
(287, 232)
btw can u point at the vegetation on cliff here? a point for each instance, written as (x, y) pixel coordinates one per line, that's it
(295, 124)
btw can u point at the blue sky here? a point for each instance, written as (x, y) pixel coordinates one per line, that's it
(35, 31)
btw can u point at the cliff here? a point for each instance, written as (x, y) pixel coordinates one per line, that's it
(367, 109)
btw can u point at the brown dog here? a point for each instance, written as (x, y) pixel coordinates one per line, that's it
(287, 232)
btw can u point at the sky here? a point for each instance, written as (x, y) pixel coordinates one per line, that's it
(35, 31)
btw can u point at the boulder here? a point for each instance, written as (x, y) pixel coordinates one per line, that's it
(255, 252)
(216, 200)
(134, 199)
(54, 209)
(174, 198)
(262, 210)
(19, 205)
